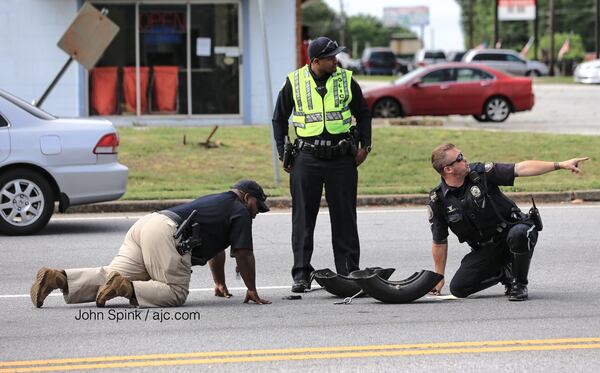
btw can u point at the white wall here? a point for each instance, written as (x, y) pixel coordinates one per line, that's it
(280, 19)
(30, 57)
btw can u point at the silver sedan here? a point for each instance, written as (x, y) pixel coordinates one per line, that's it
(44, 159)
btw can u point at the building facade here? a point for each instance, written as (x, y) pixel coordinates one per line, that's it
(171, 63)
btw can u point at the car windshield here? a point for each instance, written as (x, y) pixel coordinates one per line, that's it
(383, 57)
(37, 112)
(408, 77)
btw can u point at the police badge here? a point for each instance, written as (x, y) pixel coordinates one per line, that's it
(489, 166)
(475, 191)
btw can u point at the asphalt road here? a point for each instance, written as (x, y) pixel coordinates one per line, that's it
(559, 108)
(557, 330)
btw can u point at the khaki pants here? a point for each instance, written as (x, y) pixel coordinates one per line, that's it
(160, 276)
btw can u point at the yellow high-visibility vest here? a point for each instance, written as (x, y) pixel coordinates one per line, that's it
(312, 113)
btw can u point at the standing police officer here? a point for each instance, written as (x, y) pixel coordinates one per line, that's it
(323, 98)
(502, 238)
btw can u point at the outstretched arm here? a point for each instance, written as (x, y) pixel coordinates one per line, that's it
(534, 168)
(245, 262)
(440, 254)
(217, 268)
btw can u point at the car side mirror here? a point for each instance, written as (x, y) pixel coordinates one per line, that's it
(417, 83)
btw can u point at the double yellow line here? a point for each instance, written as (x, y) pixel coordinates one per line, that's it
(291, 354)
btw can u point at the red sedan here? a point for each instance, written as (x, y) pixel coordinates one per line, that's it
(454, 88)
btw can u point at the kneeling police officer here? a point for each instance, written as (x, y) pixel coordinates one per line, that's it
(502, 238)
(153, 265)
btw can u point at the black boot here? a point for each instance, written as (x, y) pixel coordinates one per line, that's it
(520, 267)
(507, 278)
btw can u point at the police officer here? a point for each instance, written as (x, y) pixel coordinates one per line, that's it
(322, 98)
(470, 203)
(152, 269)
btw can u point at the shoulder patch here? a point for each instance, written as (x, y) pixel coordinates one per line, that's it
(489, 166)
(429, 213)
(433, 196)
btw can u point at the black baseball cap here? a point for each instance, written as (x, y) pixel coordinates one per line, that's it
(254, 189)
(323, 47)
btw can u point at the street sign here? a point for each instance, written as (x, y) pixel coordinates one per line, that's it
(88, 36)
(516, 10)
(406, 16)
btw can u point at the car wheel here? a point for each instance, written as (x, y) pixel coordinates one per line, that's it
(26, 202)
(480, 118)
(533, 73)
(496, 109)
(387, 108)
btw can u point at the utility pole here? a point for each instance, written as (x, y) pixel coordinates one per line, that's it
(471, 45)
(551, 16)
(597, 28)
(496, 23)
(535, 32)
(343, 24)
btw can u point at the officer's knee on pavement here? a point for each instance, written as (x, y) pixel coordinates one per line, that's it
(457, 290)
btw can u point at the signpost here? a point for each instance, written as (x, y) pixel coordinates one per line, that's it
(85, 40)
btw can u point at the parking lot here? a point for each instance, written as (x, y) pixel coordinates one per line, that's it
(559, 108)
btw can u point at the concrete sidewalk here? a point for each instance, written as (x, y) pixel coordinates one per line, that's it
(373, 200)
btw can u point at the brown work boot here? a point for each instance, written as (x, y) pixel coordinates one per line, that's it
(115, 286)
(47, 280)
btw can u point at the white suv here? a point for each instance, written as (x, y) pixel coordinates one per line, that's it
(506, 60)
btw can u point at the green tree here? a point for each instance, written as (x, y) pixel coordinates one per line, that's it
(362, 29)
(570, 16)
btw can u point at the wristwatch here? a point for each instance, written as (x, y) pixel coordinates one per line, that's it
(368, 148)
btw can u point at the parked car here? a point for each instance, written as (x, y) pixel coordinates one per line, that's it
(455, 56)
(428, 57)
(506, 60)
(588, 72)
(378, 61)
(453, 88)
(44, 159)
(348, 63)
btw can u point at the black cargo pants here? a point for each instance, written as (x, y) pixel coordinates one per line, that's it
(339, 176)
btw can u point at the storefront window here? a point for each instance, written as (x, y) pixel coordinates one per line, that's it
(163, 58)
(163, 71)
(106, 82)
(215, 59)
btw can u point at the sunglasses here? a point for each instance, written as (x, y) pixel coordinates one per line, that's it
(459, 158)
(331, 46)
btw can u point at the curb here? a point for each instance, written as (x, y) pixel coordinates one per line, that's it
(578, 196)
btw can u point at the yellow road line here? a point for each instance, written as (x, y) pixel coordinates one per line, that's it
(221, 357)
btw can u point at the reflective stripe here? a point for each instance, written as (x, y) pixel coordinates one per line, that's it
(298, 113)
(335, 115)
(312, 118)
(529, 238)
(308, 92)
(347, 120)
(336, 98)
(297, 89)
(298, 124)
(345, 80)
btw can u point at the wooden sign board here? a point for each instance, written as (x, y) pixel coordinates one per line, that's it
(88, 36)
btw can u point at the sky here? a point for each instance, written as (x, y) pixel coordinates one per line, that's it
(443, 32)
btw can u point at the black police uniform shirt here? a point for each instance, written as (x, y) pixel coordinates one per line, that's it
(466, 210)
(224, 221)
(285, 105)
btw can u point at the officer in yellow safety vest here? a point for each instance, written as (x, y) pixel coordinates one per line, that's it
(321, 99)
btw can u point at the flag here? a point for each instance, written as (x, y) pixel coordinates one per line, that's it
(527, 46)
(564, 49)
